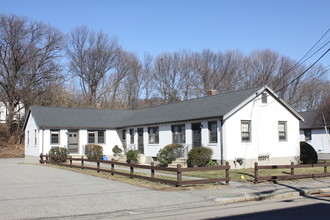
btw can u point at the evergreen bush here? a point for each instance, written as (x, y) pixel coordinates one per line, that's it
(116, 150)
(61, 154)
(307, 153)
(132, 156)
(169, 153)
(94, 152)
(199, 156)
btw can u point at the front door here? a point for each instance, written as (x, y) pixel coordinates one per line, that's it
(196, 134)
(140, 140)
(73, 142)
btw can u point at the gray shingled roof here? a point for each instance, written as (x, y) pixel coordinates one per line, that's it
(199, 108)
(313, 119)
(57, 117)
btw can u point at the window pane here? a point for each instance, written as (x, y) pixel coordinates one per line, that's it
(179, 133)
(54, 137)
(245, 130)
(282, 130)
(100, 137)
(153, 135)
(91, 137)
(213, 132)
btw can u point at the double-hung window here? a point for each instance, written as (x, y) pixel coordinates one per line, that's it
(282, 130)
(308, 134)
(153, 133)
(179, 133)
(213, 134)
(96, 137)
(246, 130)
(54, 137)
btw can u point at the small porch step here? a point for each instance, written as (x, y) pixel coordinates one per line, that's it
(181, 161)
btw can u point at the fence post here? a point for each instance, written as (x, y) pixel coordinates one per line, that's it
(47, 159)
(98, 166)
(179, 175)
(41, 159)
(70, 161)
(112, 167)
(256, 175)
(82, 162)
(131, 171)
(292, 170)
(152, 170)
(325, 168)
(227, 173)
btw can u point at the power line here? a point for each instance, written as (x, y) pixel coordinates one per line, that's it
(300, 75)
(299, 62)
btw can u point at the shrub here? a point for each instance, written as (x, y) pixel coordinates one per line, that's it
(60, 152)
(199, 156)
(212, 163)
(169, 153)
(94, 152)
(307, 153)
(132, 156)
(116, 150)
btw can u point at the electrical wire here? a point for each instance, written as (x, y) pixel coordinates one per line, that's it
(300, 62)
(300, 75)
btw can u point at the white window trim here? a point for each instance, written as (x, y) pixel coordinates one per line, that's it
(96, 136)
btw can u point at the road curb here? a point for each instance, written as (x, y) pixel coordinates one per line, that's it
(248, 198)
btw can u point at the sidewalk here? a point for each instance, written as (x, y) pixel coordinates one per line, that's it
(243, 192)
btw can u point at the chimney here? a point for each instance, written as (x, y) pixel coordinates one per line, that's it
(211, 92)
(98, 105)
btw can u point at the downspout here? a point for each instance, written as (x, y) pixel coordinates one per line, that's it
(42, 143)
(221, 143)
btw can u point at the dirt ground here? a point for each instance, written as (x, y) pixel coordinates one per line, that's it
(9, 147)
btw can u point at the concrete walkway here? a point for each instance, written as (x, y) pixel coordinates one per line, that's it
(32, 191)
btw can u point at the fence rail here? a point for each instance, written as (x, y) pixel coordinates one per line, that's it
(292, 174)
(51, 159)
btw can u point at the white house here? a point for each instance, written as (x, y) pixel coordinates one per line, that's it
(315, 132)
(19, 112)
(241, 127)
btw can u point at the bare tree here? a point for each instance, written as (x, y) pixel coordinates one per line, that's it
(29, 53)
(92, 55)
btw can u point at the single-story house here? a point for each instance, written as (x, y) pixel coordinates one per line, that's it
(315, 131)
(241, 127)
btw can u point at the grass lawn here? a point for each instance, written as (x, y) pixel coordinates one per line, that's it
(243, 175)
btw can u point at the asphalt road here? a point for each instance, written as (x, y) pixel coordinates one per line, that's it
(41, 192)
(33, 191)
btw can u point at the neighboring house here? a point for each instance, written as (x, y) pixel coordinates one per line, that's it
(20, 112)
(315, 132)
(241, 127)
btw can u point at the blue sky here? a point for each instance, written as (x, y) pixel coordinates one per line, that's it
(290, 27)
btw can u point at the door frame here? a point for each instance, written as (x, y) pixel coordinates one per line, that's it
(197, 125)
(140, 140)
(77, 132)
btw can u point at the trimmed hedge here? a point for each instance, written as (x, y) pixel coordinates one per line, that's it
(116, 150)
(199, 157)
(94, 152)
(169, 153)
(132, 156)
(307, 153)
(59, 151)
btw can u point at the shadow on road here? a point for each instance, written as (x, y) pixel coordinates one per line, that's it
(315, 211)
